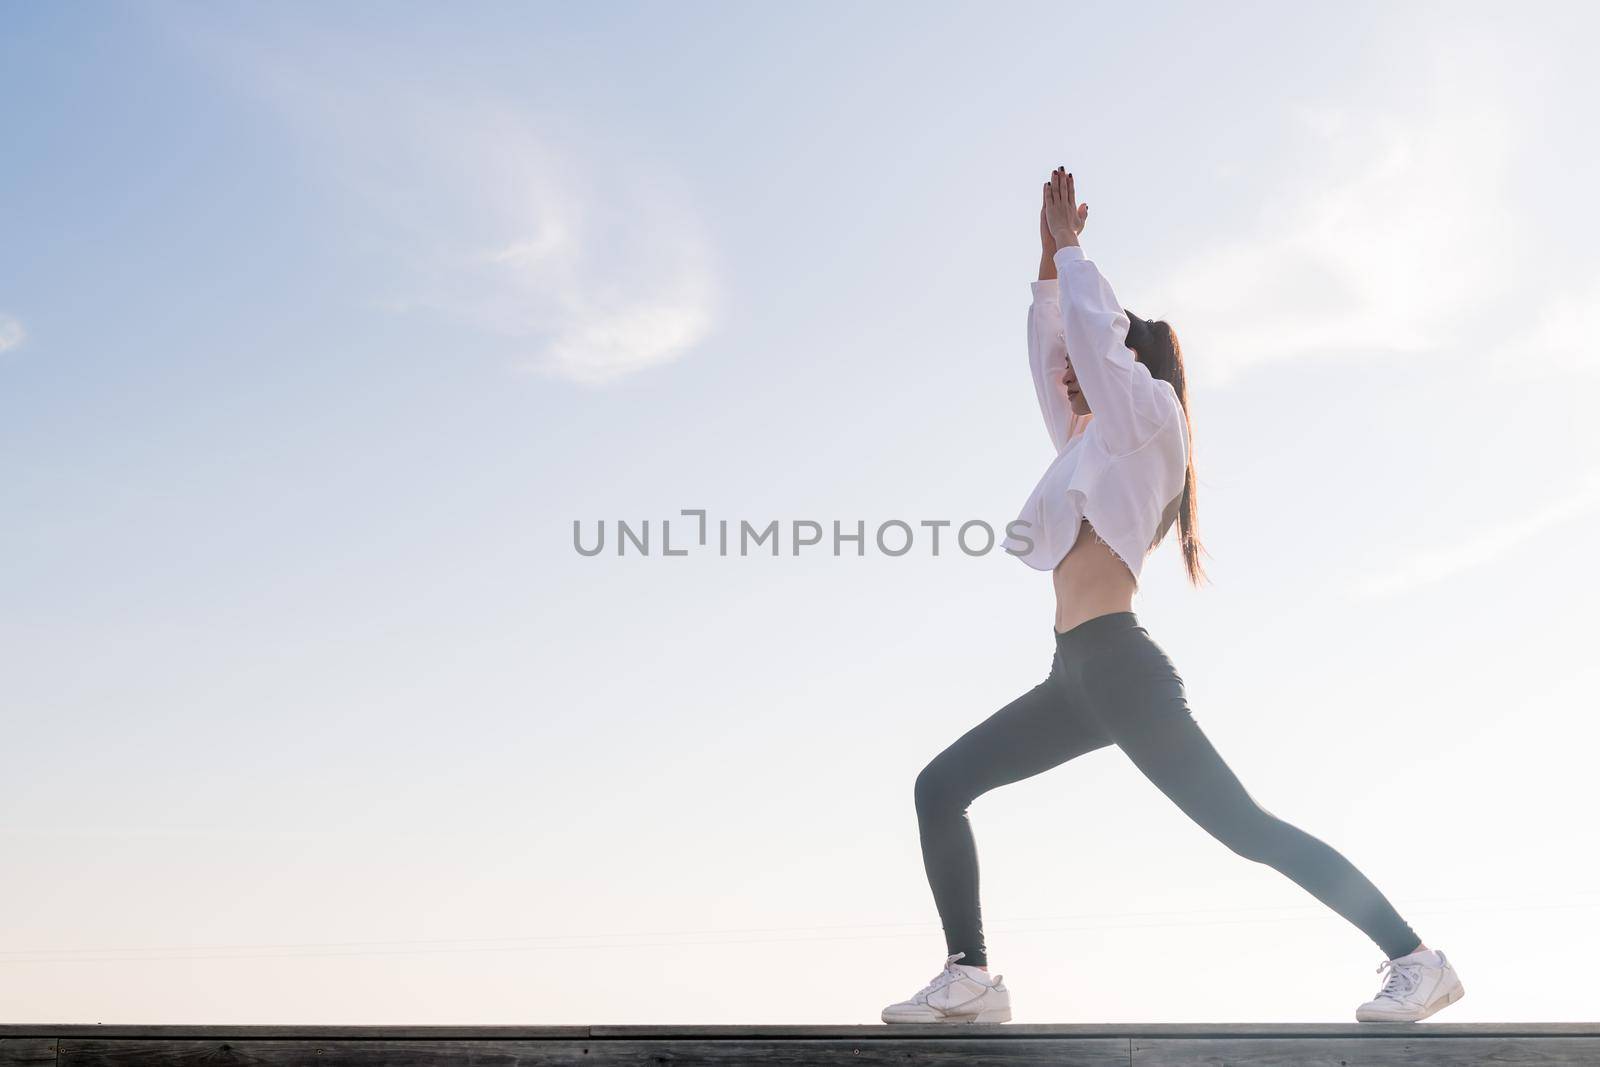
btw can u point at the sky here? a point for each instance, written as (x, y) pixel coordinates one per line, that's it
(322, 327)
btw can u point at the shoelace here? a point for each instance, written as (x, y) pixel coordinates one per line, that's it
(1401, 980)
(940, 980)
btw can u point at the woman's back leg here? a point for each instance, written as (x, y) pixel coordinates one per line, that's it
(1140, 702)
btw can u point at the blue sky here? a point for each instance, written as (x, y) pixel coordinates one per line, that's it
(319, 327)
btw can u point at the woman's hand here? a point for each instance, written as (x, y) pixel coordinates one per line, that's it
(1062, 216)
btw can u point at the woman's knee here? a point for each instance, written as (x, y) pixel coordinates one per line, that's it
(1260, 836)
(939, 788)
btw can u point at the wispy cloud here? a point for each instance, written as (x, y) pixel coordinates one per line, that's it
(1481, 549)
(487, 215)
(1564, 336)
(1383, 241)
(11, 333)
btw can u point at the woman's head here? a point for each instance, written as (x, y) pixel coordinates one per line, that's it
(1156, 346)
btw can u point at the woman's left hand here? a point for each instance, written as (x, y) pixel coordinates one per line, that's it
(1063, 214)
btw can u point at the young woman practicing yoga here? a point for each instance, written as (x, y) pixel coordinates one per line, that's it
(1112, 389)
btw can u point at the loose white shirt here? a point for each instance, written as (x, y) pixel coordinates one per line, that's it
(1122, 466)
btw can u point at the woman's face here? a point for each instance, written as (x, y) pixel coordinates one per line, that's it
(1074, 394)
(1080, 406)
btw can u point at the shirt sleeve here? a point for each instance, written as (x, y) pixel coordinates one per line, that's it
(1047, 354)
(1128, 404)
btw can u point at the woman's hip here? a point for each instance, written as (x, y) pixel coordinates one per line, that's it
(1119, 673)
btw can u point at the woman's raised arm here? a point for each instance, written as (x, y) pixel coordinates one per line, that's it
(1047, 354)
(1128, 404)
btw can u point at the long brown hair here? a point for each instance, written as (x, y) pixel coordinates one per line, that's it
(1157, 347)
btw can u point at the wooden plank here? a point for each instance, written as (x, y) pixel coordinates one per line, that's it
(1116, 1029)
(1365, 1052)
(292, 1030)
(1097, 1045)
(798, 1052)
(862, 1032)
(879, 1032)
(682, 1052)
(135, 1052)
(30, 1050)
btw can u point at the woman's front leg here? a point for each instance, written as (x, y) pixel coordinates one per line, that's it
(1038, 730)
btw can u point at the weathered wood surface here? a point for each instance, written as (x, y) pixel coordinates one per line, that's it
(31, 1050)
(1090, 1044)
(1363, 1051)
(260, 1031)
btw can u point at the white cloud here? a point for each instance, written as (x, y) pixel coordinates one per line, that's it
(1483, 548)
(488, 217)
(1564, 337)
(11, 333)
(1393, 230)
(612, 340)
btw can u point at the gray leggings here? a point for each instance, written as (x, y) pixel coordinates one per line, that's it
(1110, 683)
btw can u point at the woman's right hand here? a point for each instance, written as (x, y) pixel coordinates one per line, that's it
(1047, 240)
(1060, 200)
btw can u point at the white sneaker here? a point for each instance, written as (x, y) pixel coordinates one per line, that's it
(957, 994)
(1418, 985)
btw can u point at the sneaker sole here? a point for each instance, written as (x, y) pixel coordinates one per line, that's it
(992, 1015)
(1440, 1004)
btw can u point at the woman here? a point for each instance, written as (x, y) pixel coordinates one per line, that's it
(1112, 389)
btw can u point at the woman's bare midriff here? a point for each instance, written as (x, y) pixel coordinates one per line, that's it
(1090, 581)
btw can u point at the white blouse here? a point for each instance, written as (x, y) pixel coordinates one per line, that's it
(1122, 466)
